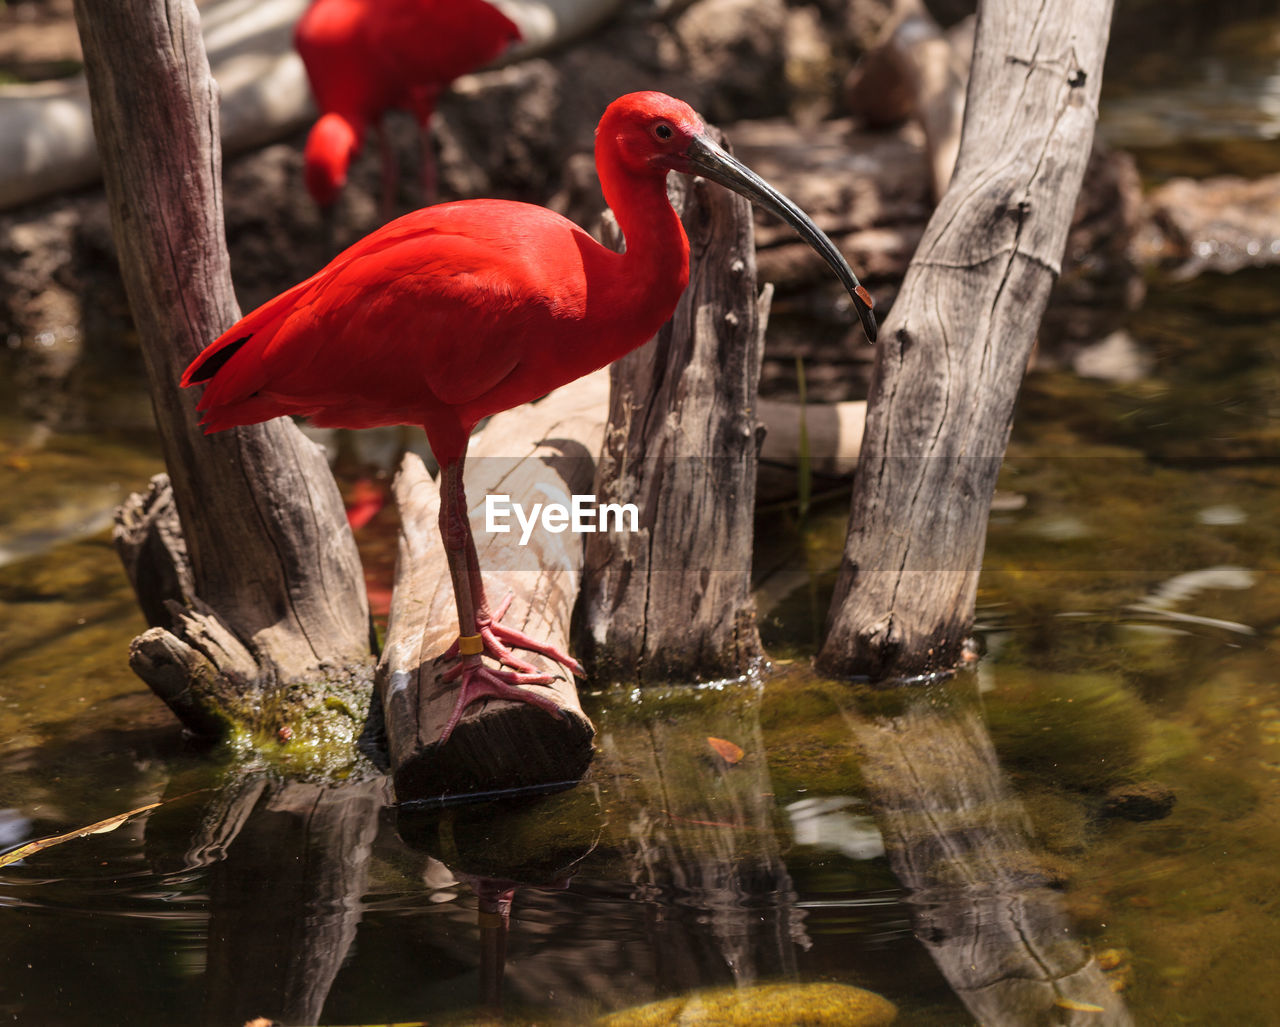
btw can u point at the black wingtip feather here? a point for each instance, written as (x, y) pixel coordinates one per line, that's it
(204, 369)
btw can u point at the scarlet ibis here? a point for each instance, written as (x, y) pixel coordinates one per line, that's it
(455, 312)
(365, 57)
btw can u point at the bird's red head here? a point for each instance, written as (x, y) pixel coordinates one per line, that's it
(331, 147)
(650, 132)
(645, 135)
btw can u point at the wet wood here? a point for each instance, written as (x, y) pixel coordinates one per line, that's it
(673, 598)
(961, 845)
(269, 549)
(954, 347)
(539, 453)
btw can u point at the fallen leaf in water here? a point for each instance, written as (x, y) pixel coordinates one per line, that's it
(101, 827)
(726, 750)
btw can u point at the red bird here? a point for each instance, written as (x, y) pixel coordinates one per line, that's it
(365, 57)
(455, 312)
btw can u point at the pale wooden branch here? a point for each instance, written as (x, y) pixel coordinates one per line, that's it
(920, 72)
(954, 347)
(542, 453)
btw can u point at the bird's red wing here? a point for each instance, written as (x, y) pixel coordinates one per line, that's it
(431, 312)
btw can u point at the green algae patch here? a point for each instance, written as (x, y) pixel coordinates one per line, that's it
(1083, 732)
(794, 1005)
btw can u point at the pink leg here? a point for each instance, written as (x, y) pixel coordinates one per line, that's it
(480, 630)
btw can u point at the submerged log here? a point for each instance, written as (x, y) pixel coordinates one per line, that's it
(673, 599)
(954, 347)
(272, 560)
(533, 454)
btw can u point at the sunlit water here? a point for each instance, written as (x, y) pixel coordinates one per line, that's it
(1129, 614)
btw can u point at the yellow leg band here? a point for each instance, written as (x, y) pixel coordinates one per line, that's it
(470, 645)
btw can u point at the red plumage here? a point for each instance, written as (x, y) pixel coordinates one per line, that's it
(457, 311)
(366, 57)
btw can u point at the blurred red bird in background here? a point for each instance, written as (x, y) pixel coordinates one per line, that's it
(457, 311)
(366, 57)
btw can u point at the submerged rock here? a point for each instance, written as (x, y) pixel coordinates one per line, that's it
(815, 1004)
(1145, 800)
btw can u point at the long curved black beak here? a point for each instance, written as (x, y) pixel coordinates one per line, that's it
(713, 163)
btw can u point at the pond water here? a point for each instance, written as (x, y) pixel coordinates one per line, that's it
(1119, 735)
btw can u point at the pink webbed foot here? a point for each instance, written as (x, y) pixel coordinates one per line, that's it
(479, 681)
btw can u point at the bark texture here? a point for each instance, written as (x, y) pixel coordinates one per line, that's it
(271, 559)
(541, 453)
(673, 599)
(955, 345)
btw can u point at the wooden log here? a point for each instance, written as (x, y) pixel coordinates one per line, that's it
(960, 843)
(833, 433)
(954, 347)
(270, 551)
(673, 599)
(535, 453)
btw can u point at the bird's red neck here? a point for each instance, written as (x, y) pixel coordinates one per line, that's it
(656, 262)
(333, 142)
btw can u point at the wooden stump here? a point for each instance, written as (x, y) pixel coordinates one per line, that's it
(538, 453)
(273, 567)
(954, 347)
(673, 599)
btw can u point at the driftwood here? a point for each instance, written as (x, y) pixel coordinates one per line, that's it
(272, 561)
(956, 343)
(673, 599)
(961, 845)
(832, 436)
(542, 453)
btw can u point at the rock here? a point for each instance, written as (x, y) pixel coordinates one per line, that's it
(1144, 801)
(1219, 224)
(839, 1005)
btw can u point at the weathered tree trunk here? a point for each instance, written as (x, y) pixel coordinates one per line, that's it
(673, 599)
(535, 454)
(272, 562)
(955, 345)
(961, 844)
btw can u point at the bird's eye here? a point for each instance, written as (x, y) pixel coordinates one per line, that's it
(663, 131)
